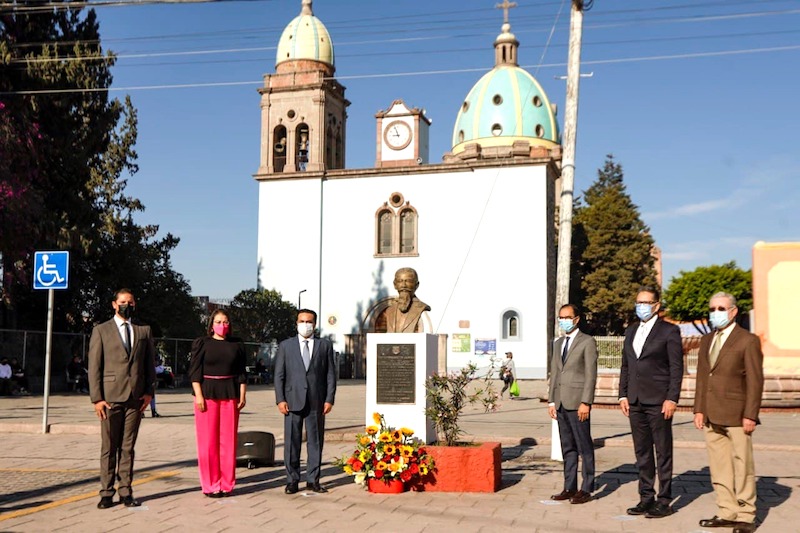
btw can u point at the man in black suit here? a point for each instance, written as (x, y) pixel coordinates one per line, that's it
(305, 387)
(649, 389)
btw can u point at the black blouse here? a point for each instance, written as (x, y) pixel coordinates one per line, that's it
(212, 357)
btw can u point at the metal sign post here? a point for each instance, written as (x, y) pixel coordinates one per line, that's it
(51, 271)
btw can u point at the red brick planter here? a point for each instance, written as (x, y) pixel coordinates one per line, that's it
(465, 468)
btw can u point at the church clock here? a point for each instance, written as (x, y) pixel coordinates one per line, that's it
(402, 136)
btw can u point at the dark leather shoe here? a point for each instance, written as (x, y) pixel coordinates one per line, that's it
(744, 527)
(581, 497)
(316, 487)
(641, 508)
(218, 494)
(563, 495)
(130, 501)
(105, 502)
(659, 510)
(156, 415)
(291, 488)
(717, 522)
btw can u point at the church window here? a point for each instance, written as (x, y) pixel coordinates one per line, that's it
(461, 136)
(396, 228)
(329, 145)
(511, 326)
(464, 107)
(339, 149)
(279, 148)
(497, 129)
(539, 130)
(497, 99)
(291, 114)
(302, 148)
(537, 101)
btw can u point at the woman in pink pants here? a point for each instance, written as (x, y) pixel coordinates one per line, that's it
(219, 383)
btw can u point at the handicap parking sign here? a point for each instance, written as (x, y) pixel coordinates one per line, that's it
(51, 270)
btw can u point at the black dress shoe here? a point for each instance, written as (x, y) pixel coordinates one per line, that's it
(105, 502)
(581, 497)
(316, 487)
(744, 527)
(717, 522)
(130, 501)
(659, 510)
(641, 508)
(291, 488)
(156, 415)
(218, 494)
(563, 495)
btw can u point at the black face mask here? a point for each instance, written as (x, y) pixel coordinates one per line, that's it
(125, 311)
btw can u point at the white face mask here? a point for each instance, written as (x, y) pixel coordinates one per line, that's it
(305, 329)
(719, 319)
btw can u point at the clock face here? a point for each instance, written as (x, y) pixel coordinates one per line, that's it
(397, 135)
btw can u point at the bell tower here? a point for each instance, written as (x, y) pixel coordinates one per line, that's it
(303, 107)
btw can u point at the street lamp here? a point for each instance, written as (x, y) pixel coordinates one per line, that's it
(299, 294)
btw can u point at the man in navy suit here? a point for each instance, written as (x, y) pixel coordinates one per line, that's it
(649, 389)
(305, 387)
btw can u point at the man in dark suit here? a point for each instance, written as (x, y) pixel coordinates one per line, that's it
(730, 380)
(573, 377)
(649, 389)
(121, 383)
(305, 388)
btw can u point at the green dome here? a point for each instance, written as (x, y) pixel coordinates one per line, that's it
(305, 38)
(506, 105)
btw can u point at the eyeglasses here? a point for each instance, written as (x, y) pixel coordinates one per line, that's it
(720, 308)
(566, 318)
(646, 303)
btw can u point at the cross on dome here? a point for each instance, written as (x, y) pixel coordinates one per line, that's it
(505, 6)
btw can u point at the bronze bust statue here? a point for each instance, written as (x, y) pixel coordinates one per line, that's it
(405, 313)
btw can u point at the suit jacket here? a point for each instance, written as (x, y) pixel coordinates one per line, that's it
(295, 385)
(731, 389)
(573, 382)
(113, 375)
(657, 374)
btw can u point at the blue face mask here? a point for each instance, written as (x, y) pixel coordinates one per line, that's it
(644, 311)
(718, 319)
(566, 324)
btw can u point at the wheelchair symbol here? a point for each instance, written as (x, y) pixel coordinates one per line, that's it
(49, 270)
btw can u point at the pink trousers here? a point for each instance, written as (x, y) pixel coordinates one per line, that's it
(216, 430)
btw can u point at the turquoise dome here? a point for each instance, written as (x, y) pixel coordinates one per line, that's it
(507, 104)
(306, 37)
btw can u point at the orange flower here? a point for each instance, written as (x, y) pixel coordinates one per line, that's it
(407, 432)
(372, 430)
(396, 435)
(364, 440)
(377, 417)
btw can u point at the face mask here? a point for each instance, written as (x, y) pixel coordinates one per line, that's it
(566, 324)
(125, 311)
(221, 329)
(719, 319)
(644, 311)
(305, 329)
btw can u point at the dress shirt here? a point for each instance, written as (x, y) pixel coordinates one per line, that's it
(5, 371)
(642, 332)
(724, 333)
(310, 340)
(121, 331)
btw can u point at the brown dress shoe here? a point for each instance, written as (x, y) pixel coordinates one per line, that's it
(563, 495)
(581, 497)
(717, 522)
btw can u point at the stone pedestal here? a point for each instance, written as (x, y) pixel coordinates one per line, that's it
(397, 366)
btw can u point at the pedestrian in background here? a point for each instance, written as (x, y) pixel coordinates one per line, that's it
(509, 373)
(219, 385)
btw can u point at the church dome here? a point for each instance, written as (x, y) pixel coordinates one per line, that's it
(305, 38)
(506, 105)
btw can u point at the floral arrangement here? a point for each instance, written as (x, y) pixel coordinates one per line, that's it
(385, 453)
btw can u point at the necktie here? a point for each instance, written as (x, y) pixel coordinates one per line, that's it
(564, 352)
(306, 355)
(127, 337)
(715, 348)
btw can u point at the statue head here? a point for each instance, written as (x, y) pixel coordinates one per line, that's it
(406, 283)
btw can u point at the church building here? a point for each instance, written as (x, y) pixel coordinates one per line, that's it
(478, 227)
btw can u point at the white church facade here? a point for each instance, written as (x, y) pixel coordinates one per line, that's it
(479, 228)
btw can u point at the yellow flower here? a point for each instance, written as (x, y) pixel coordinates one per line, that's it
(376, 417)
(364, 455)
(407, 432)
(423, 470)
(395, 467)
(396, 435)
(348, 470)
(385, 437)
(406, 451)
(372, 430)
(364, 440)
(381, 466)
(389, 449)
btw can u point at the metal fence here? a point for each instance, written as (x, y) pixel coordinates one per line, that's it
(609, 353)
(29, 349)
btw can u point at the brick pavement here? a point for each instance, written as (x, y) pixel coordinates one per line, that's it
(59, 470)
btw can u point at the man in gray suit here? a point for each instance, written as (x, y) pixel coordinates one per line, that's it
(573, 376)
(305, 387)
(121, 382)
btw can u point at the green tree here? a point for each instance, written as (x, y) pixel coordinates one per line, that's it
(612, 252)
(688, 294)
(261, 315)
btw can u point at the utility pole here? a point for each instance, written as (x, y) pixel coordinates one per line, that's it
(569, 138)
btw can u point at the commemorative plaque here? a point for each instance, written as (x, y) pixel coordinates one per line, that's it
(395, 374)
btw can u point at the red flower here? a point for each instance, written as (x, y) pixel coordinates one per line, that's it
(357, 466)
(413, 469)
(378, 474)
(405, 475)
(351, 460)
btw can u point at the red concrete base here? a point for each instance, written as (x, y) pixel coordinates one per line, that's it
(465, 468)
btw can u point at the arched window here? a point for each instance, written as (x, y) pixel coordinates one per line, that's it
(396, 228)
(339, 149)
(511, 327)
(279, 148)
(329, 146)
(303, 148)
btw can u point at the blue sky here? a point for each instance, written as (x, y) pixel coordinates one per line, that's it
(697, 99)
